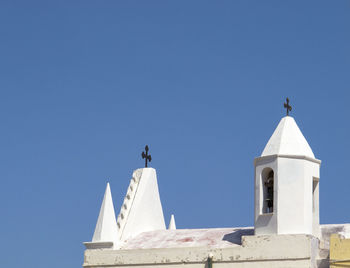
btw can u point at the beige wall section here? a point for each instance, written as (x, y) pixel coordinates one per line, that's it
(339, 251)
(255, 252)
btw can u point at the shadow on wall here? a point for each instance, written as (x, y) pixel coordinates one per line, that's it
(236, 236)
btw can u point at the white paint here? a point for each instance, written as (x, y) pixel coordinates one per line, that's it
(172, 224)
(185, 238)
(142, 209)
(255, 252)
(283, 238)
(287, 139)
(106, 231)
(296, 205)
(346, 232)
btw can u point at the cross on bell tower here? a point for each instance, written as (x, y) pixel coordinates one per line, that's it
(287, 106)
(146, 156)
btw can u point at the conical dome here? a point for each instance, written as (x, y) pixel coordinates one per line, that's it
(106, 227)
(287, 139)
(172, 224)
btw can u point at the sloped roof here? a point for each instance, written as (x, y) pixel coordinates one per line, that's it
(211, 238)
(287, 139)
(183, 238)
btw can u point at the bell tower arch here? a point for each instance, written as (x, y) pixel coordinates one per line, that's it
(287, 184)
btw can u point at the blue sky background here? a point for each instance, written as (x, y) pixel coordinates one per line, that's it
(84, 85)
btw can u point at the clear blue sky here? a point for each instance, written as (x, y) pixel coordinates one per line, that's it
(84, 85)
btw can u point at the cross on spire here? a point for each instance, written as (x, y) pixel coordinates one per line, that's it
(146, 156)
(287, 106)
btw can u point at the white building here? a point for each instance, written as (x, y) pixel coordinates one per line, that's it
(287, 232)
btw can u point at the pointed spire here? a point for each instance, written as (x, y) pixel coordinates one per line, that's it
(287, 139)
(142, 209)
(172, 225)
(106, 228)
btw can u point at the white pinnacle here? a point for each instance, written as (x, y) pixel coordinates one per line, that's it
(287, 139)
(142, 209)
(106, 228)
(172, 225)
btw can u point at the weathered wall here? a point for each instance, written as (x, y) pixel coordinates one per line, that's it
(339, 252)
(255, 252)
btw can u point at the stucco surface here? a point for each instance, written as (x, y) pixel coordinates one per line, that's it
(288, 139)
(339, 251)
(255, 251)
(288, 236)
(229, 247)
(172, 224)
(142, 209)
(211, 238)
(106, 227)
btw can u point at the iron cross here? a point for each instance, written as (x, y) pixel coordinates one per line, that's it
(287, 106)
(146, 156)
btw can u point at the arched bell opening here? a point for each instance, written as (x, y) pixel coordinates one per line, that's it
(267, 190)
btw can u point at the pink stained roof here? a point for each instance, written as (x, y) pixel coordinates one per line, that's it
(211, 238)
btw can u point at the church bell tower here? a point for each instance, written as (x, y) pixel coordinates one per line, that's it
(287, 184)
